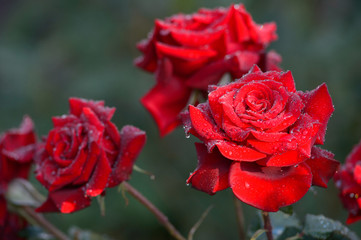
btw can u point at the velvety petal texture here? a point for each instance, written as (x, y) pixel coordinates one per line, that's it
(189, 52)
(84, 154)
(17, 148)
(347, 180)
(264, 132)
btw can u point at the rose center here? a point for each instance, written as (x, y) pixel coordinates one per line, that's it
(256, 101)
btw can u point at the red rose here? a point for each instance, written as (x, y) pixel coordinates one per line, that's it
(348, 181)
(84, 154)
(189, 52)
(259, 135)
(17, 148)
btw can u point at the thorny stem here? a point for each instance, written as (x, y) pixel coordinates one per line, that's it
(267, 225)
(153, 209)
(39, 219)
(240, 218)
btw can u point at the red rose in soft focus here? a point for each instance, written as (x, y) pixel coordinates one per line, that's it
(84, 154)
(190, 52)
(258, 138)
(348, 181)
(17, 148)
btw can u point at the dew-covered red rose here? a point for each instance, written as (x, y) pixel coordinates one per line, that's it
(348, 181)
(17, 147)
(258, 137)
(189, 52)
(84, 154)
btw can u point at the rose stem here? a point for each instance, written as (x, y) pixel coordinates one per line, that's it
(45, 224)
(153, 209)
(267, 225)
(240, 218)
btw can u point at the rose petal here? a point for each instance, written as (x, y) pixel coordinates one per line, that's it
(76, 106)
(211, 175)
(203, 124)
(196, 38)
(322, 165)
(354, 157)
(167, 99)
(132, 142)
(99, 178)
(65, 201)
(238, 152)
(269, 188)
(289, 158)
(188, 54)
(318, 104)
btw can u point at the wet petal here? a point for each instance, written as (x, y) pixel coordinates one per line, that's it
(132, 142)
(318, 104)
(65, 201)
(238, 152)
(211, 174)
(269, 188)
(322, 165)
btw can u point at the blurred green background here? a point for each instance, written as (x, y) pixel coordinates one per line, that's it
(51, 50)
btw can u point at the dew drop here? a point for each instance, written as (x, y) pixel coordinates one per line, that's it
(246, 184)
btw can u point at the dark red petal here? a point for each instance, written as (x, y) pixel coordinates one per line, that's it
(188, 54)
(132, 142)
(65, 201)
(305, 132)
(269, 188)
(92, 118)
(196, 38)
(76, 106)
(203, 124)
(99, 178)
(287, 80)
(211, 174)
(353, 218)
(269, 137)
(267, 32)
(354, 157)
(167, 99)
(318, 104)
(273, 60)
(63, 176)
(213, 100)
(89, 165)
(289, 158)
(3, 210)
(238, 152)
(322, 165)
(357, 173)
(241, 62)
(208, 74)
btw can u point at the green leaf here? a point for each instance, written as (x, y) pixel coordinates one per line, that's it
(284, 225)
(288, 210)
(320, 227)
(22, 193)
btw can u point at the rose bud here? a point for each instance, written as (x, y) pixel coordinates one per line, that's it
(84, 154)
(348, 181)
(189, 52)
(17, 147)
(258, 137)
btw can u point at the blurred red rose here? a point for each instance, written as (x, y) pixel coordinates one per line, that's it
(84, 154)
(17, 148)
(259, 135)
(348, 181)
(189, 52)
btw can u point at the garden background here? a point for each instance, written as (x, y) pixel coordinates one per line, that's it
(52, 50)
